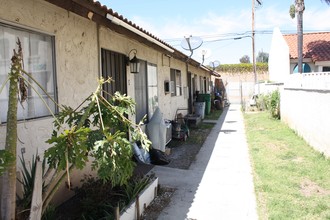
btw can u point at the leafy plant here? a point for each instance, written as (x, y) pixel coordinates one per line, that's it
(27, 181)
(242, 68)
(97, 131)
(97, 199)
(271, 103)
(274, 105)
(135, 186)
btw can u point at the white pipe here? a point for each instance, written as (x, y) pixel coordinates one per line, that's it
(131, 28)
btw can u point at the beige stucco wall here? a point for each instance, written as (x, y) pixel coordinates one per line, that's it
(77, 64)
(76, 58)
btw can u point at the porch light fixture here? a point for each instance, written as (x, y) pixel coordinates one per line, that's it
(134, 63)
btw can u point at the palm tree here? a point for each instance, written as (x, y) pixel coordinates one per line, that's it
(298, 8)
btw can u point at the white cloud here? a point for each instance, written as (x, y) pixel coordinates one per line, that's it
(271, 17)
(317, 19)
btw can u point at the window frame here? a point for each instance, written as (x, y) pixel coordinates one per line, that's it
(176, 77)
(50, 42)
(152, 105)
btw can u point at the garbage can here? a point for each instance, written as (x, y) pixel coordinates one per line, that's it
(207, 99)
(200, 109)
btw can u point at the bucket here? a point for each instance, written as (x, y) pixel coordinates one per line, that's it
(200, 109)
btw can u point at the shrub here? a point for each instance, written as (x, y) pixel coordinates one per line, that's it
(270, 102)
(274, 105)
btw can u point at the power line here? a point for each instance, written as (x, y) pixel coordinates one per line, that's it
(231, 36)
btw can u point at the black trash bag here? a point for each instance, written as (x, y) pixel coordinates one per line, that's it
(158, 157)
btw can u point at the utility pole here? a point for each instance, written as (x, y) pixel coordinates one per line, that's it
(253, 45)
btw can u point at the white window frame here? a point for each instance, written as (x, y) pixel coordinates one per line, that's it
(152, 83)
(39, 61)
(176, 77)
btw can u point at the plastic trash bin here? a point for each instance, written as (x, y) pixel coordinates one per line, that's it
(207, 99)
(200, 109)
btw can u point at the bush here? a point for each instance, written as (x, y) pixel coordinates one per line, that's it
(274, 105)
(271, 103)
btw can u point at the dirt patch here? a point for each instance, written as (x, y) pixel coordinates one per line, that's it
(159, 203)
(298, 160)
(309, 188)
(183, 153)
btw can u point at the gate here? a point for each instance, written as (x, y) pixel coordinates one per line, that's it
(239, 92)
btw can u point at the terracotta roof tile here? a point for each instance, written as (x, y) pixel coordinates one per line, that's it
(315, 46)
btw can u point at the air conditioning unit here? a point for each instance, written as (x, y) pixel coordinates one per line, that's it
(169, 87)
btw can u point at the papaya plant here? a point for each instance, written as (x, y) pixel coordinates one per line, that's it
(8, 157)
(98, 132)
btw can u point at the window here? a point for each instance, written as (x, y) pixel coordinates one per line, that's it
(305, 68)
(114, 67)
(202, 84)
(326, 69)
(152, 89)
(146, 91)
(38, 58)
(176, 78)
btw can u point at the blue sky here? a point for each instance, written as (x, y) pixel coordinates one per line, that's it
(217, 22)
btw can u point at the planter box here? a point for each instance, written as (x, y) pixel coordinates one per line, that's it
(141, 203)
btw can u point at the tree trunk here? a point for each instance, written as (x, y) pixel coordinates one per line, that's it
(300, 40)
(299, 8)
(8, 194)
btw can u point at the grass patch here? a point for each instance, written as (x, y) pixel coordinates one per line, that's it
(214, 115)
(292, 180)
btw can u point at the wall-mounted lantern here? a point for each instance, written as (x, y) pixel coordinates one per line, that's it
(134, 63)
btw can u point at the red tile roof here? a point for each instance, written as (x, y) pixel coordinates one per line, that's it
(315, 46)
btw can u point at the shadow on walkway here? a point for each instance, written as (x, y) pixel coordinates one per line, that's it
(217, 179)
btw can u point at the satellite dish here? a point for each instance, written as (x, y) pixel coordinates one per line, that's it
(214, 64)
(206, 53)
(191, 43)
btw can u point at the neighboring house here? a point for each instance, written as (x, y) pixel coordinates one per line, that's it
(283, 56)
(316, 52)
(68, 44)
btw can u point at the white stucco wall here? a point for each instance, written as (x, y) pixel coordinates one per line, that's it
(305, 108)
(279, 60)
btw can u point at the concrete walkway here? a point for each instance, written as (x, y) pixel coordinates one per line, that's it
(219, 183)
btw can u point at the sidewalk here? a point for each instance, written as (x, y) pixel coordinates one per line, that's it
(219, 183)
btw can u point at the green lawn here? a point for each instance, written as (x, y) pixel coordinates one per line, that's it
(292, 181)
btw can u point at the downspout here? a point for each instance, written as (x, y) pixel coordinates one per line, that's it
(190, 103)
(98, 50)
